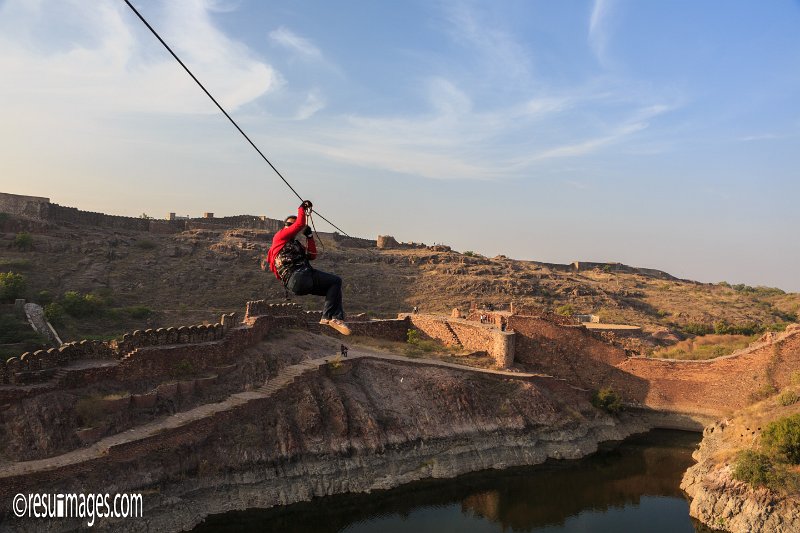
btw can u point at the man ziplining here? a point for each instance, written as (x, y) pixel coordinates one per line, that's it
(289, 260)
(287, 257)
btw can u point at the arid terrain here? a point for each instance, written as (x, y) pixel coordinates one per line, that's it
(459, 394)
(195, 275)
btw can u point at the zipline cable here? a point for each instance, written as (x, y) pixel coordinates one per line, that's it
(154, 32)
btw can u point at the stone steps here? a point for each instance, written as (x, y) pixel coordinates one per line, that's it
(453, 335)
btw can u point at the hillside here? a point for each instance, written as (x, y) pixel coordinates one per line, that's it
(142, 279)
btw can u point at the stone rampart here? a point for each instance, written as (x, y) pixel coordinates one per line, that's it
(143, 346)
(619, 267)
(257, 308)
(498, 319)
(41, 209)
(353, 242)
(37, 366)
(235, 221)
(566, 351)
(387, 242)
(433, 327)
(724, 383)
(392, 329)
(499, 345)
(708, 387)
(33, 207)
(71, 215)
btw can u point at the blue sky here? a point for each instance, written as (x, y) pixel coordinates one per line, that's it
(658, 134)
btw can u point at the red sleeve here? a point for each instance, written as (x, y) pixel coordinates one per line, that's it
(311, 248)
(283, 236)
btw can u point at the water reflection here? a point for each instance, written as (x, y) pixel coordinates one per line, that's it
(632, 487)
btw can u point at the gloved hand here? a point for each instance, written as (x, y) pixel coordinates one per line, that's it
(307, 232)
(307, 205)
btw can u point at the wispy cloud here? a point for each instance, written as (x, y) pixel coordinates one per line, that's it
(454, 141)
(496, 48)
(288, 39)
(600, 29)
(314, 102)
(761, 137)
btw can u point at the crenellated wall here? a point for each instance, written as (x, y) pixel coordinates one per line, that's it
(156, 349)
(41, 365)
(256, 308)
(150, 354)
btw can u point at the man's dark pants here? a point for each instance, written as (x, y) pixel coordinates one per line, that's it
(318, 283)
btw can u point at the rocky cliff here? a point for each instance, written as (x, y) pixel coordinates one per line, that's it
(355, 427)
(724, 503)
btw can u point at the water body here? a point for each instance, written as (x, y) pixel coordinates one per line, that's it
(631, 487)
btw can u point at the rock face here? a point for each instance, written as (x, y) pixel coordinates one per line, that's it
(722, 502)
(357, 426)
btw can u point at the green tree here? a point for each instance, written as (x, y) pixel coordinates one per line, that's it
(566, 310)
(755, 468)
(12, 286)
(23, 241)
(608, 400)
(81, 305)
(782, 436)
(54, 313)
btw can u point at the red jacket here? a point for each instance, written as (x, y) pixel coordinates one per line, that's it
(287, 234)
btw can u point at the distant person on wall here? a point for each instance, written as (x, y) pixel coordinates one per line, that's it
(289, 260)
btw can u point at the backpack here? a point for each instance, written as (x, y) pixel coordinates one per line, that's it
(291, 258)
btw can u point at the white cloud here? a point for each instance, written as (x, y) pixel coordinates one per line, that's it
(98, 58)
(314, 102)
(288, 39)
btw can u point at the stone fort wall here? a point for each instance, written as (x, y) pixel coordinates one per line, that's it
(38, 366)
(155, 353)
(43, 210)
(33, 207)
(723, 384)
(710, 387)
(499, 345)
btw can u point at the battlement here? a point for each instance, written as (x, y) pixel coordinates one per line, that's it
(259, 308)
(41, 365)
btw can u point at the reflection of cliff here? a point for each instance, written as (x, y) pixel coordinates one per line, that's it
(519, 499)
